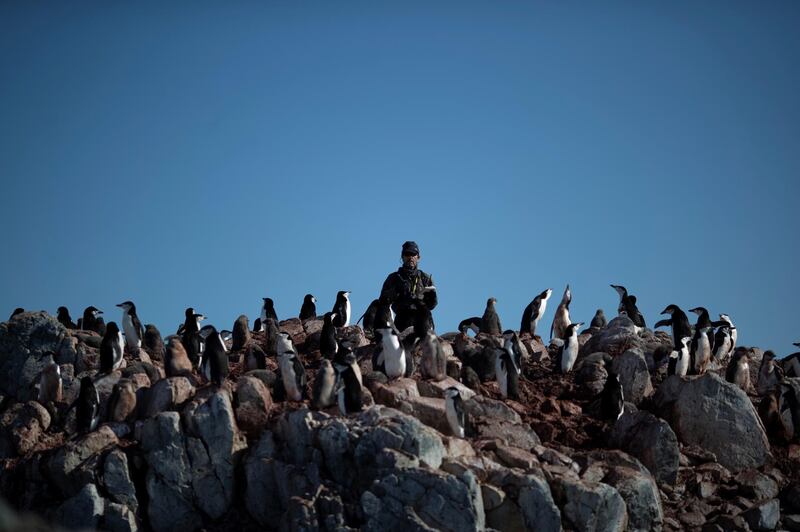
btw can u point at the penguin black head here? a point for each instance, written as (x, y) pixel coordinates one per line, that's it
(93, 310)
(796, 344)
(86, 384)
(670, 309)
(112, 329)
(632, 299)
(546, 293)
(685, 340)
(309, 299)
(452, 392)
(63, 312)
(17, 311)
(599, 312)
(698, 310)
(268, 303)
(572, 328)
(328, 317)
(207, 331)
(342, 294)
(768, 354)
(128, 306)
(490, 302)
(189, 313)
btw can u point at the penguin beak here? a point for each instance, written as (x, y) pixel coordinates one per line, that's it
(665, 311)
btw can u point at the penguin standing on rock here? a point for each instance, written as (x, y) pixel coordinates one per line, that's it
(679, 322)
(725, 338)
(324, 392)
(679, 359)
(434, 361)
(561, 320)
(738, 371)
(241, 333)
(176, 361)
(327, 338)
(190, 335)
(64, 318)
(454, 411)
(293, 374)
(599, 321)
(215, 357)
(50, 385)
(342, 309)
(309, 308)
(534, 312)
(368, 323)
(92, 321)
(627, 303)
(134, 332)
(123, 401)
(267, 312)
(389, 356)
(473, 324)
(507, 375)
(612, 398)
(490, 322)
(703, 340)
(88, 407)
(112, 348)
(769, 374)
(791, 363)
(569, 351)
(153, 343)
(348, 387)
(512, 346)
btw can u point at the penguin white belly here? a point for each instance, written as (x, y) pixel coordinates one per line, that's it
(452, 419)
(290, 380)
(703, 353)
(569, 355)
(340, 400)
(682, 368)
(118, 349)
(131, 334)
(502, 376)
(395, 364)
(347, 313)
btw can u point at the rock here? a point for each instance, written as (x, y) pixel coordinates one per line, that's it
(117, 479)
(253, 404)
(691, 519)
(590, 506)
(168, 394)
(756, 485)
(634, 376)
(481, 407)
(719, 416)
(75, 464)
(24, 342)
(515, 457)
(792, 522)
(492, 497)
(213, 443)
(726, 523)
(119, 518)
(642, 499)
(169, 475)
(396, 392)
(765, 516)
(618, 336)
(83, 510)
(422, 498)
(591, 373)
(520, 436)
(388, 428)
(651, 440)
(428, 410)
(21, 427)
(538, 508)
(436, 389)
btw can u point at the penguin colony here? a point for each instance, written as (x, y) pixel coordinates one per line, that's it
(493, 355)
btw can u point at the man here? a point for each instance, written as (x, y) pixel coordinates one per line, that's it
(409, 289)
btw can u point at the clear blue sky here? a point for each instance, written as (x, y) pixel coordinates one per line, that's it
(209, 154)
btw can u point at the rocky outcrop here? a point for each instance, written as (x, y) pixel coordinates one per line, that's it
(651, 440)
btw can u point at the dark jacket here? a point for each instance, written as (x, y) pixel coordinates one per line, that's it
(405, 290)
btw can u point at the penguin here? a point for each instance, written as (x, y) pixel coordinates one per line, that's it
(112, 348)
(612, 398)
(599, 321)
(64, 318)
(293, 374)
(507, 375)
(342, 309)
(561, 320)
(50, 385)
(152, 342)
(134, 332)
(725, 338)
(434, 360)
(327, 339)
(454, 411)
(255, 357)
(92, 321)
(702, 347)
(512, 346)
(324, 392)
(738, 371)
(679, 322)
(88, 406)
(215, 357)
(369, 315)
(241, 333)
(389, 356)
(769, 410)
(309, 309)
(271, 335)
(348, 386)
(569, 351)
(628, 304)
(17, 312)
(176, 361)
(770, 374)
(469, 378)
(534, 312)
(679, 359)
(257, 325)
(791, 363)
(473, 324)
(384, 317)
(190, 335)
(490, 322)
(268, 311)
(123, 401)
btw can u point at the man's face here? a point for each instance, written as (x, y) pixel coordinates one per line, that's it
(411, 260)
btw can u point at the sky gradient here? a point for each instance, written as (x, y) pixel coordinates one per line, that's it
(208, 155)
